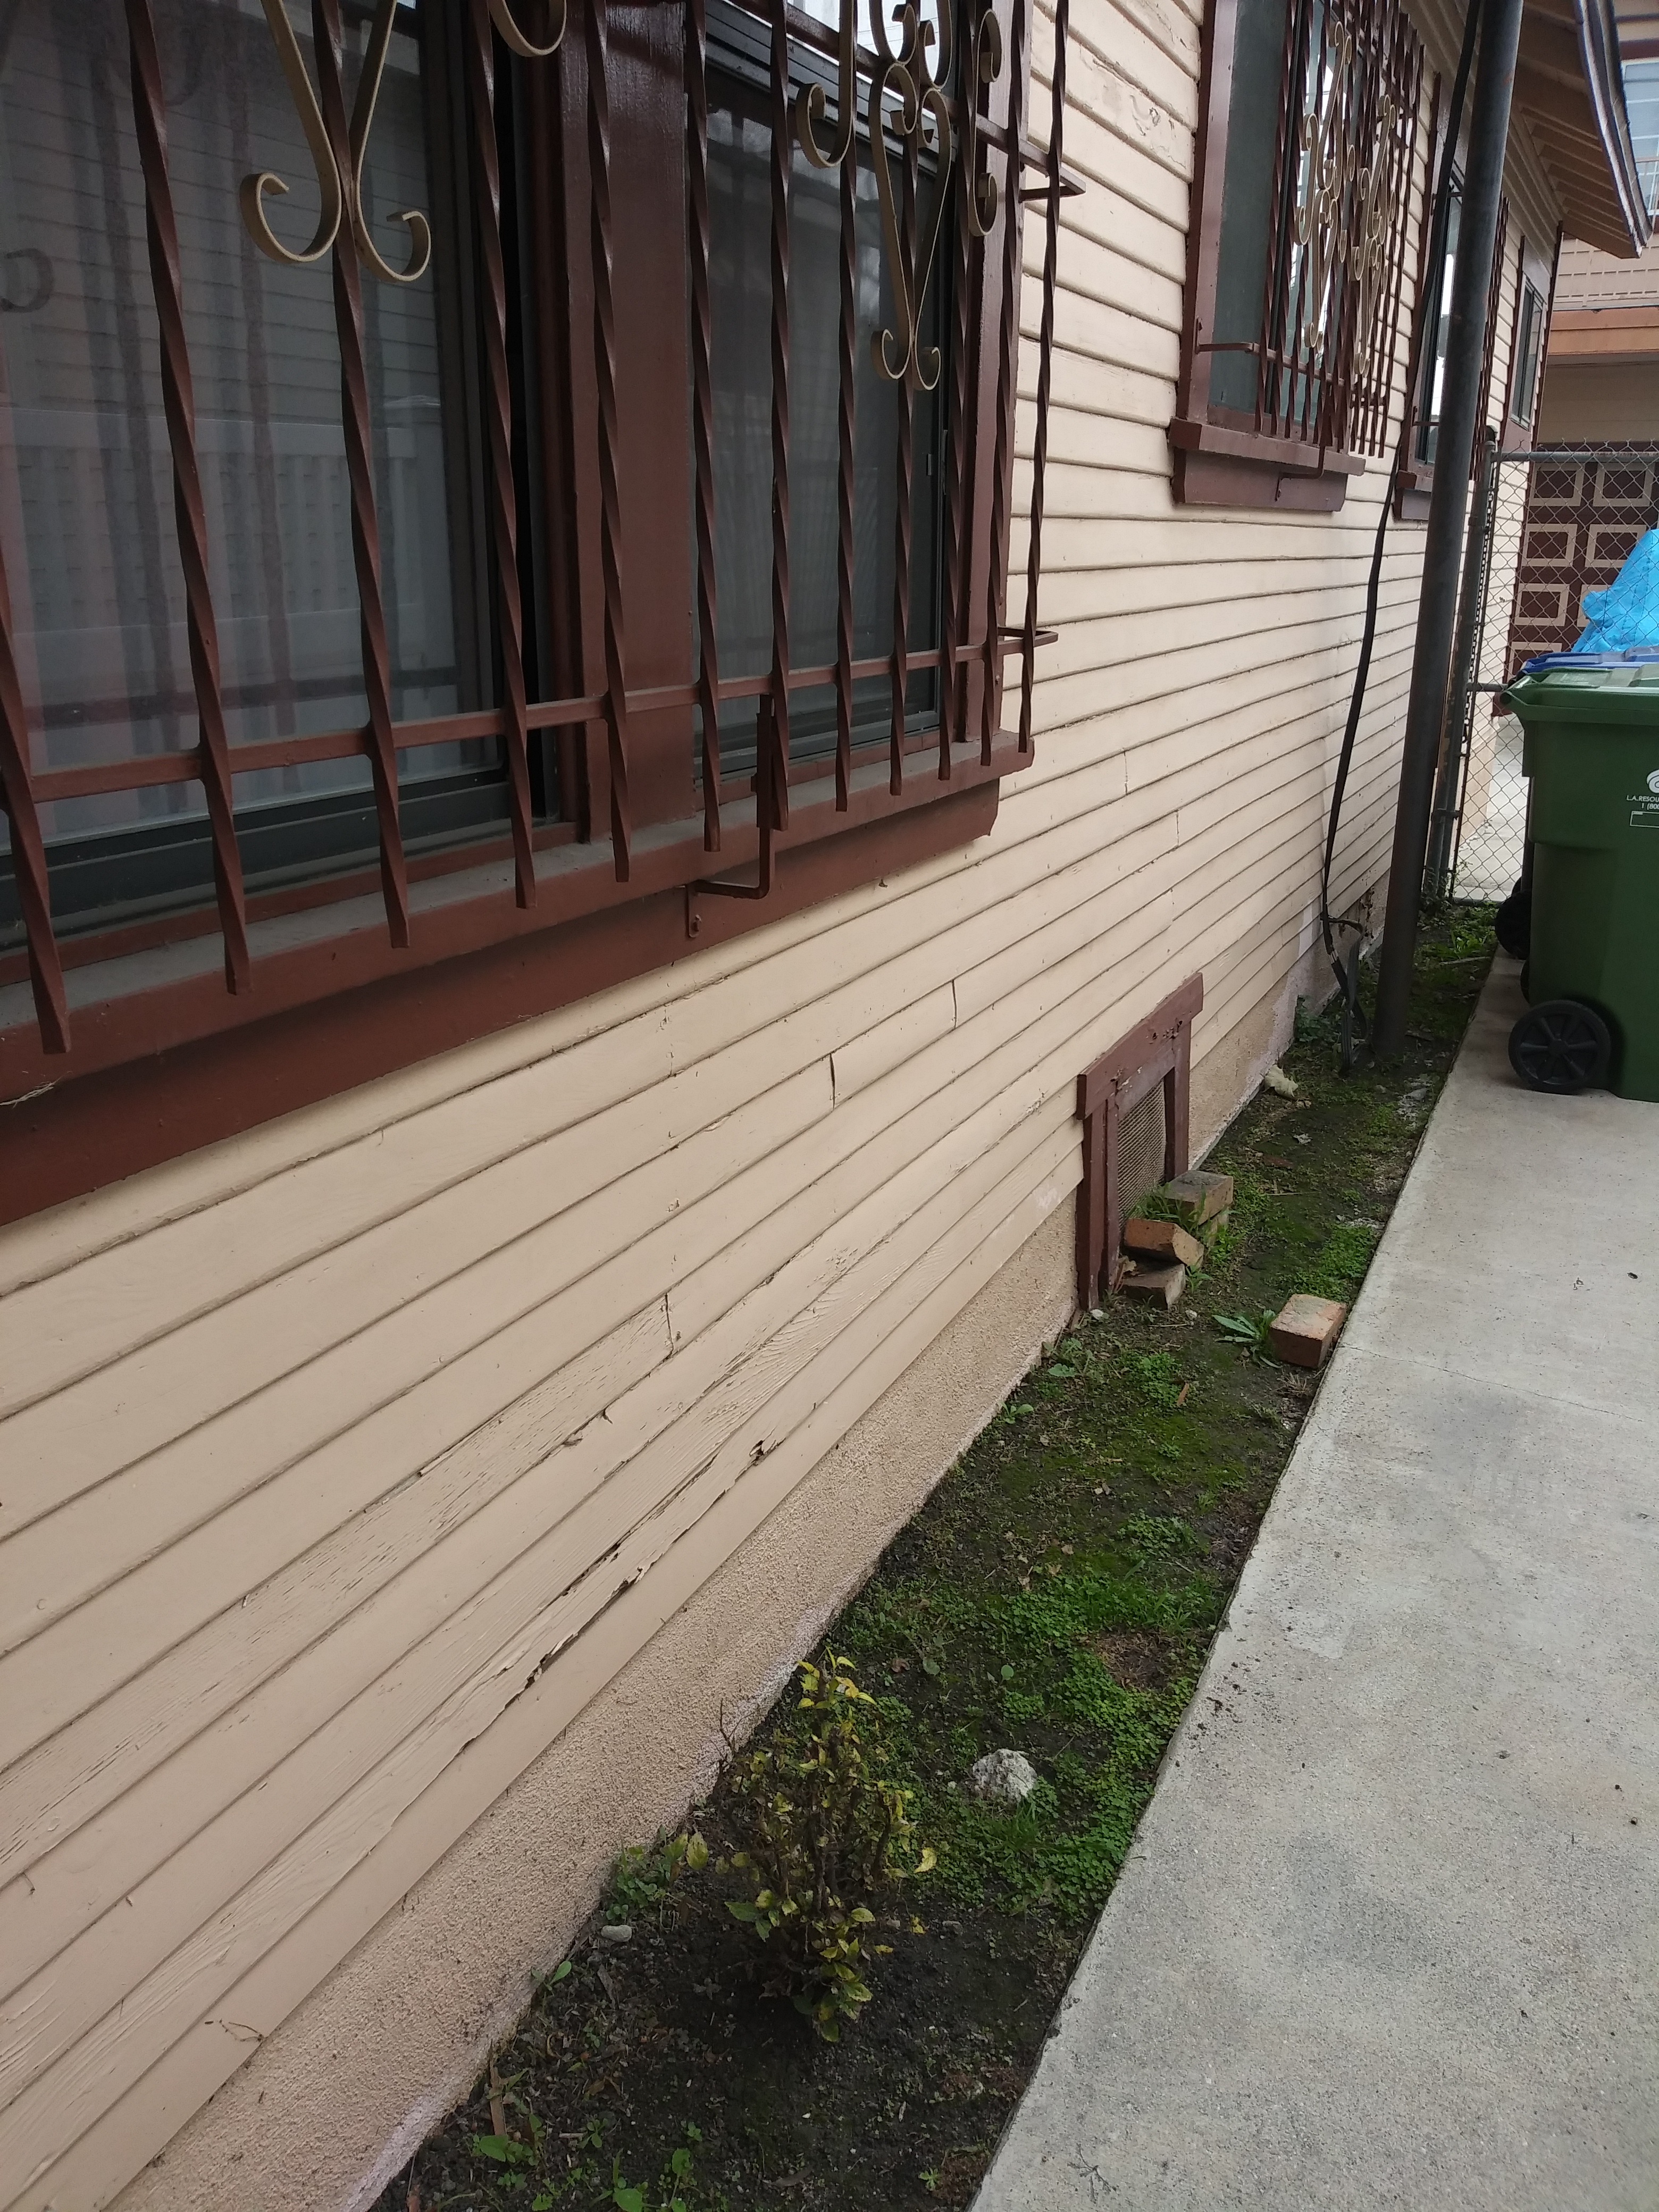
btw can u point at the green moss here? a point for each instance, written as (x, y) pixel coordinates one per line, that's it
(1340, 1265)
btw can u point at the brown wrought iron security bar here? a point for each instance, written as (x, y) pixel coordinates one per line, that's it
(1298, 379)
(1331, 299)
(946, 173)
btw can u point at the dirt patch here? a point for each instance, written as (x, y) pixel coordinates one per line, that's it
(1056, 1595)
(1139, 1659)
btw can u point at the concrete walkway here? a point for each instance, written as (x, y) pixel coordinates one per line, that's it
(1389, 1930)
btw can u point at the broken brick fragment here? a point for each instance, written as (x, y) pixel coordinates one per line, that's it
(1162, 1240)
(1146, 1278)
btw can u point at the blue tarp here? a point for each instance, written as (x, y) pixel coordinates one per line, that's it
(1627, 615)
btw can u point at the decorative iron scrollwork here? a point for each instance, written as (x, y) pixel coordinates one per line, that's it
(254, 188)
(501, 16)
(342, 195)
(908, 99)
(809, 102)
(987, 67)
(362, 122)
(1343, 215)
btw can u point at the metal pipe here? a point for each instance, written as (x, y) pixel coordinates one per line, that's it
(1471, 622)
(1437, 609)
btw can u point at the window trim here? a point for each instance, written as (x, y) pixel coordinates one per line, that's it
(164, 1082)
(149, 996)
(1216, 462)
(1416, 480)
(1535, 273)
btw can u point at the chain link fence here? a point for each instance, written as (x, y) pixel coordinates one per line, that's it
(1545, 527)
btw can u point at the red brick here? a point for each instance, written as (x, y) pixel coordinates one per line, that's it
(1200, 1195)
(1305, 1331)
(1161, 1240)
(1146, 1279)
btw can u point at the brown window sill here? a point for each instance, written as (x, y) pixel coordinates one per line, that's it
(1216, 465)
(165, 1060)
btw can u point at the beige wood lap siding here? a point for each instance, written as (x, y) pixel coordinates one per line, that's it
(345, 1462)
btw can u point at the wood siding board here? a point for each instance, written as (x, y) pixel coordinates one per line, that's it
(1118, 48)
(60, 2102)
(487, 1582)
(107, 2154)
(435, 1281)
(1006, 1076)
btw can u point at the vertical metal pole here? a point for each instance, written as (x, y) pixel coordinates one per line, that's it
(1470, 619)
(1483, 186)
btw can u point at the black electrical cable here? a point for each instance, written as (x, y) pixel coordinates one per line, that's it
(1347, 974)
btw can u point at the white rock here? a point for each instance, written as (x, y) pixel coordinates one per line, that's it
(619, 1932)
(1003, 1778)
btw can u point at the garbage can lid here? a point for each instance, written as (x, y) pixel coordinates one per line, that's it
(1570, 689)
(1544, 662)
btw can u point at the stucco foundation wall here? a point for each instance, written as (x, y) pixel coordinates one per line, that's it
(350, 1465)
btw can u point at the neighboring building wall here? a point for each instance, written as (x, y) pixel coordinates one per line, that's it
(1600, 400)
(1588, 279)
(422, 1479)
(1601, 374)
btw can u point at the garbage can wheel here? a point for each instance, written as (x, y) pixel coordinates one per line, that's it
(1561, 1046)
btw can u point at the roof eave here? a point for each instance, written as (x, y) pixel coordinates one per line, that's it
(1569, 86)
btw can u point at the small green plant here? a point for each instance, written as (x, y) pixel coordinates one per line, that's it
(1160, 1536)
(1339, 1268)
(642, 1880)
(1157, 1378)
(1158, 1206)
(1248, 1332)
(827, 1826)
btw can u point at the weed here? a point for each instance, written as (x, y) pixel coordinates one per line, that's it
(1340, 1266)
(1160, 1536)
(1249, 1332)
(1156, 1378)
(826, 1824)
(643, 1878)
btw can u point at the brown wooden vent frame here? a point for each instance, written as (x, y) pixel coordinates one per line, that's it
(1157, 1050)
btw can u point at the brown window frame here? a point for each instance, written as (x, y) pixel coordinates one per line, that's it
(1268, 457)
(1416, 478)
(127, 1045)
(1518, 431)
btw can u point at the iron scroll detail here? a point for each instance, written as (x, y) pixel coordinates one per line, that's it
(340, 186)
(909, 102)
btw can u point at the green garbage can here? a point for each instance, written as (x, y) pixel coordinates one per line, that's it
(1591, 750)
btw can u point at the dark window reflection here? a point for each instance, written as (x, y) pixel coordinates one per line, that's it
(740, 286)
(86, 495)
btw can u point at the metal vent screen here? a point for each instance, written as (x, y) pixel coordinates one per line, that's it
(1140, 1141)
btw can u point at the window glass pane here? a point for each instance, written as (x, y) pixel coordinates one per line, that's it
(1434, 366)
(86, 495)
(1526, 352)
(1247, 198)
(740, 289)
